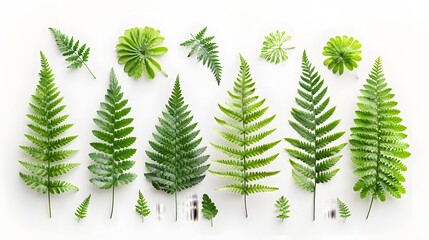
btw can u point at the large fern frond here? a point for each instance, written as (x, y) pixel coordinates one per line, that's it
(82, 209)
(377, 140)
(313, 156)
(141, 207)
(47, 125)
(178, 160)
(241, 129)
(113, 153)
(274, 49)
(209, 209)
(206, 51)
(77, 54)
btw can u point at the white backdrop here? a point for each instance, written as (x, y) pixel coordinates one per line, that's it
(398, 32)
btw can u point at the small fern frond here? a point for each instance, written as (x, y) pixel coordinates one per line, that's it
(82, 209)
(377, 140)
(178, 160)
(343, 210)
(111, 161)
(209, 208)
(77, 54)
(205, 50)
(47, 126)
(273, 49)
(313, 156)
(141, 207)
(243, 122)
(282, 208)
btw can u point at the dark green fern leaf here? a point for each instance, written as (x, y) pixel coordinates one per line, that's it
(179, 162)
(282, 208)
(141, 208)
(47, 127)
(209, 208)
(377, 140)
(112, 158)
(77, 54)
(82, 210)
(206, 51)
(315, 156)
(242, 131)
(343, 209)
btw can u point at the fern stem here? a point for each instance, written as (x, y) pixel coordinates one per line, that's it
(287, 48)
(89, 70)
(113, 201)
(163, 72)
(370, 207)
(314, 202)
(211, 222)
(356, 75)
(175, 202)
(49, 204)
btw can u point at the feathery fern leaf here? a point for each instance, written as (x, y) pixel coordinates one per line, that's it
(206, 50)
(343, 209)
(82, 210)
(47, 127)
(244, 113)
(112, 158)
(315, 154)
(137, 50)
(177, 155)
(282, 207)
(377, 140)
(273, 49)
(209, 208)
(77, 54)
(141, 208)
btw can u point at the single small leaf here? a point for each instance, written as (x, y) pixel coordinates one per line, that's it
(82, 209)
(209, 208)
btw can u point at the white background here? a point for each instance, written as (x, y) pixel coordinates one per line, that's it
(398, 32)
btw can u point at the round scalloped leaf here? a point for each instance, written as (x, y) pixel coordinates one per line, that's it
(342, 51)
(137, 50)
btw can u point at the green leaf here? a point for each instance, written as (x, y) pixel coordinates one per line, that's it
(77, 55)
(113, 153)
(141, 207)
(208, 208)
(82, 209)
(282, 208)
(206, 51)
(179, 162)
(313, 155)
(243, 131)
(376, 141)
(47, 139)
(343, 209)
(273, 49)
(137, 50)
(342, 52)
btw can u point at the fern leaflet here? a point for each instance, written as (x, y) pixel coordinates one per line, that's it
(314, 151)
(343, 209)
(82, 210)
(209, 208)
(178, 158)
(112, 158)
(282, 207)
(244, 112)
(141, 208)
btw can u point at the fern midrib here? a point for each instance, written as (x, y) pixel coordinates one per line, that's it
(378, 134)
(49, 140)
(201, 46)
(114, 179)
(243, 124)
(175, 153)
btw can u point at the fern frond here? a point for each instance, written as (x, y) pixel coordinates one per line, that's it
(343, 210)
(243, 125)
(113, 152)
(178, 159)
(47, 127)
(273, 49)
(205, 50)
(282, 208)
(209, 208)
(377, 140)
(313, 157)
(75, 53)
(141, 208)
(82, 209)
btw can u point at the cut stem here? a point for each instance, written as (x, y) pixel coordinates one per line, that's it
(245, 205)
(163, 72)
(89, 70)
(211, 222)
(113, 201)
(314, 203)
(356, 75)
(175, 203)
(49, 204)
(370, 206)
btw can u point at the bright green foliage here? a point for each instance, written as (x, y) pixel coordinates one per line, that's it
(244, 113)
(209, 208)
(377, 140)
(76, 54)
(112, 159)
(273, 49)
(138, 48)
(343, 209)
(141, 208)
(314, 154)
(47, 127)
(178, 158)
(82, 210)
(282, 208)
(206, 50)
(342, 51)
